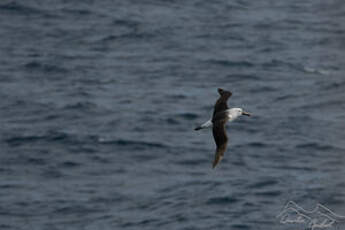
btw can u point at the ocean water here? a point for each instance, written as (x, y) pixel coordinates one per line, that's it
(99, 100)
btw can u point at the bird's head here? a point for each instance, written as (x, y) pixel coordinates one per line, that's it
(236, 112)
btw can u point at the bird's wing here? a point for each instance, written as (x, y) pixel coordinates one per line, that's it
(221, 104)
(221, 139)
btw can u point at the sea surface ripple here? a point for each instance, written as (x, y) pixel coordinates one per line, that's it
(99, 100)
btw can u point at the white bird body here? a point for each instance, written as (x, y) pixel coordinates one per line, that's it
(231, 115)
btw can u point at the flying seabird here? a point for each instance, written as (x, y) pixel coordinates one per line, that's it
(221, 115)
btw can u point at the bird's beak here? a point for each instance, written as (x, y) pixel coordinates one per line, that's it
(245, 113)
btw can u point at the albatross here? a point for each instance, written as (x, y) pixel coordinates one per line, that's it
(221, 114)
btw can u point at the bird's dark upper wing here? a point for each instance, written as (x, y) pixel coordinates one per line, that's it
(221, 139)
(221, 104)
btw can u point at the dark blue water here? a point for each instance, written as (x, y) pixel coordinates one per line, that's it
(99, 100)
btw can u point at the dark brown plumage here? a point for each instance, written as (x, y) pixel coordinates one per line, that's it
(221, 104)
(219, 120)
(221, 139)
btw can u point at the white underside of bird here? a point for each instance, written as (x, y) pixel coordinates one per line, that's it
(231, 114)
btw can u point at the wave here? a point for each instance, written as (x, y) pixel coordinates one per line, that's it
(76, 11)
(240, 226)
(253, 145)
(334, 85)
(263, 89)
(315, 146)
(11, 186)
(330, 103)
(268, 193)
(192, 162)
(177, 96)
(38, 66)
(222, 200)
(263, 183)
(19, 8)
(243, 77)
(293, 168)
(77, 208)
(229, 63)
(128, 36)
(131, 143)
(188, 116)
(172, 121)
(320, 71)
(127, 23)
(274, 63)
(81, 105)
(80, 141)
(285, 97)
(36, 161)
(17, 140)
(52, 172)
(69, 164)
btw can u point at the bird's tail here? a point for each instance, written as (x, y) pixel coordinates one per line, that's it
(217, 158)
(198, 128)
(219, 155)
